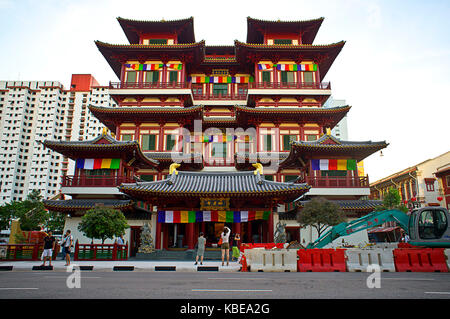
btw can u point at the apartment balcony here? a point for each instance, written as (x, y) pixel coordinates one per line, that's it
(289, 88)
(93, 184)
(338, 185)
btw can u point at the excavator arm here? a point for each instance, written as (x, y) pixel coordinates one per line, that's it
(365, 222)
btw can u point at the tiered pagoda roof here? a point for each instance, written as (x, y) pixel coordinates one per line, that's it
(72, 205)
(327, 146)
(256, 29)
(113, 116)
(323, 55)
(105, 146)
(116, 54)
(196, 185)
(326, 117)
(183, 28)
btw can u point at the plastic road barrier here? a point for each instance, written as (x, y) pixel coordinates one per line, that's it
(282, 260)
(420, 260)
(447, 256)
(321, 260)
(360, 259)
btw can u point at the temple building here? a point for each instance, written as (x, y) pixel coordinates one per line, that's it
(206, 136)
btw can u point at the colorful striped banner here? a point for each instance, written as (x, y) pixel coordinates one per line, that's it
(265, 66)
(174, 66)
(333, 165)
(297, 67)
(211, 138)
(144, 67)
(220, 79)
(168, 216)
(98, 163)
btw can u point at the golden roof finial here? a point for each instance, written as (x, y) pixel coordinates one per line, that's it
(259, 168)
(104, 131)
(328, 130)
(173, 168)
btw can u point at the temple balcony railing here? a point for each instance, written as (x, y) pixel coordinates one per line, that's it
(95, 181)
(338, 181)
(149, 85)
(220, 97)
(290, 85)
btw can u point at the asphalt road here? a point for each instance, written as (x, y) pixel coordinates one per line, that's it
(219, 285)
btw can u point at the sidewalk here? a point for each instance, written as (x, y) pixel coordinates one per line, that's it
(127, 265)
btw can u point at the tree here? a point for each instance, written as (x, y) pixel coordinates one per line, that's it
(30, 212)
(320, 213)
(393, 200)
(102, 223)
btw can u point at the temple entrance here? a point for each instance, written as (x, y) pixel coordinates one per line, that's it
(176, 235)
(135, 240)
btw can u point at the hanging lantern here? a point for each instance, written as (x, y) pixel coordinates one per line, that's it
(413, 199)
(405, 202)
(440, 198)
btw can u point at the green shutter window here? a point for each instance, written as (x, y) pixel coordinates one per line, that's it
(151, 76)
(220, 89)
(290, 178)
(148, 142)
(131, 76)
(268, 177)
(308, 77)
(147, 178)
(267, 142)
(287, 77)
(170, 142)
(287, 141)
(157, 41)
(282, 41)
(266, 76)
(311, 137)
(173, 76)
(127, 137)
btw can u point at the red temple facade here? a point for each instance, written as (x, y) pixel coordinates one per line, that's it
(207, 136)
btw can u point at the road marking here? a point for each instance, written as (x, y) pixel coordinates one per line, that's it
(438, 292)
(68, 275)
(224, 278)
(410, 279)
(232, 290)
(19, 288)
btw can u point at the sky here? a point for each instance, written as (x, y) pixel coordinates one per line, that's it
(393, 70)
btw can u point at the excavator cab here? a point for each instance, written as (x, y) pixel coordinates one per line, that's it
(429, 226)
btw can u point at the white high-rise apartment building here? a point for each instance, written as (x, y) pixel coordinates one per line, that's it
(33, 111)
(340, 130)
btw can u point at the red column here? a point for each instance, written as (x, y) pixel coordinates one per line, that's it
(158, 235)
(190, 235)
(270, 228)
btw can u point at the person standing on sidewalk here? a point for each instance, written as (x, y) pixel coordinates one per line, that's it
(225, 248)
(68, 243)
(201, 242)
(49, 246)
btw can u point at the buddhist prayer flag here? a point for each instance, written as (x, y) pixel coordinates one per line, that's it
(143, 67)
(333, 165)
(220, 79)
(264, 66)
(98, 163)
(165, 216)
(174, 66)
(297, 67)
